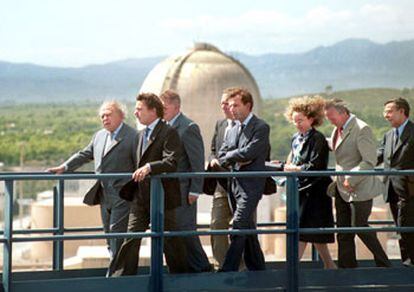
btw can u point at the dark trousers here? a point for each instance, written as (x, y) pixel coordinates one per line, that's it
(126, 261)
(356, 214)
(406, 219)
(114, 214)
(244, 206)
(187, 221)
(401, 241)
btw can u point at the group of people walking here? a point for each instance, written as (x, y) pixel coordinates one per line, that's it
(171, 142)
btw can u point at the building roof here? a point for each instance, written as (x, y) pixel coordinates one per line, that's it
(200, 75)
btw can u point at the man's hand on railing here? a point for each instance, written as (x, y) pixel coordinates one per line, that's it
(291, 167)
(141, 173)
(244, 163)
(347, 186)
(192, 198)
(58, 169)
(214, 163)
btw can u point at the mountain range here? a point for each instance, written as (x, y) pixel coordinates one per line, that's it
(349, 64)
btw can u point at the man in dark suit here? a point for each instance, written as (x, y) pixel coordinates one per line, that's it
(397, 153)
(191, 160)
(113, 149)
(159, 150)
(221, 214)
(244, 149)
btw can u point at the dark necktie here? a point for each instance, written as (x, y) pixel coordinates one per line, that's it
(240, 133)
(396, 136)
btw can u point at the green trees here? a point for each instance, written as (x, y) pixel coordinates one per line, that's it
(51, 133)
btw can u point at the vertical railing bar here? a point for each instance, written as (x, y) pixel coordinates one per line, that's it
(315, 255)
(58, 215)
(292, 239)
(157, 226)
(55, 224)
(8, 234)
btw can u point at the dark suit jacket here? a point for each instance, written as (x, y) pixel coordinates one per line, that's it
(122, 157)
(210, 184)
(252, 147)
(192, 156)
(218, 138)
(162, 153)
(314, 155)
(401, 158)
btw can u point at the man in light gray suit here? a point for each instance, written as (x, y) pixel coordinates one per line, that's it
(354, 146)
(191, 160)
(113, 149)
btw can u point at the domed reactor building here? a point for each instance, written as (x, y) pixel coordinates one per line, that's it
(199, 76)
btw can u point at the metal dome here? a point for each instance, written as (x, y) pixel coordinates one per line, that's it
(200, 76)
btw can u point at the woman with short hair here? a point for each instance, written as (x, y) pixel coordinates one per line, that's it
(310, 151)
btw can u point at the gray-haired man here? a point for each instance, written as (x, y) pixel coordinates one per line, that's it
(113, 149)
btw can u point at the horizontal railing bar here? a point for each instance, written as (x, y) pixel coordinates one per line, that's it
(147, 234)
(80, 229)
(328, 230)
(86, 236)
(286, 231)
(31, 231)
(199, 226)
(39, 172)
(284, 174)
(103, 176)
(215, 232)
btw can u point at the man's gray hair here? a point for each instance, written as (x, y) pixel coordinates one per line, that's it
(338, 104)
(115, 105)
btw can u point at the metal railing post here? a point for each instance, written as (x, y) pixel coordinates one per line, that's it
(157, 226)
(58, 209)
(8, 234)
(315, 255)
(292, 238)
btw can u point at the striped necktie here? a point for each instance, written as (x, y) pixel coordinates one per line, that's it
(145, 138)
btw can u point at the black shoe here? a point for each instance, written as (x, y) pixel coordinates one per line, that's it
(208, 269)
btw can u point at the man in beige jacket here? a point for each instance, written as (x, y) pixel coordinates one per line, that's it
(354, 147)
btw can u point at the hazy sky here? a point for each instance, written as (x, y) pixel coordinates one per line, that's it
(79, 32)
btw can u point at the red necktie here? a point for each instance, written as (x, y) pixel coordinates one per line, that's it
(339, 132)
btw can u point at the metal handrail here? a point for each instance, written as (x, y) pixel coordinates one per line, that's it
(198, 226)
(157, 234)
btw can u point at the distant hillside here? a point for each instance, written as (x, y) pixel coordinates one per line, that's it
(33, 83)
(350, 64)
